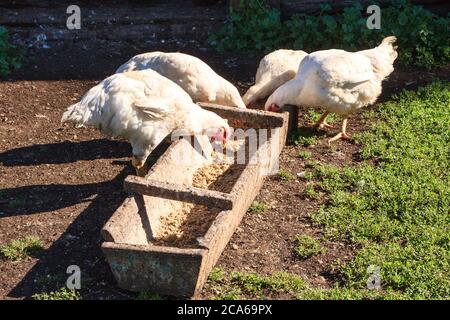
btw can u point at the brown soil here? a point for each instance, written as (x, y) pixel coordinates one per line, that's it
(62, 184)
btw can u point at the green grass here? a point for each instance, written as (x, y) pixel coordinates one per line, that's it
(19, 249)
(310, 192)
(393, 207)
(250, 285)
(258, 207)
(61, 294)
(305, 175)
(312, 116)
(338, 293)
(278, 282)
(228, 293)
(284, 175)
(304, 154)
(217, 274)
(306, 246)
(397, 210)
(306, 137)
(312, 164)
(238, 285)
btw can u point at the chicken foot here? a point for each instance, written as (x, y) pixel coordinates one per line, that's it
(343, 134)
(322, 123)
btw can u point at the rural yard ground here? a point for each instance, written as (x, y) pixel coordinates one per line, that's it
(61, 183)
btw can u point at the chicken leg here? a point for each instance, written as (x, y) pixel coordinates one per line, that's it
(341, 135)
(322, 123)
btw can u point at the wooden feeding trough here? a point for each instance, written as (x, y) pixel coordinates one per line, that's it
(169, 233)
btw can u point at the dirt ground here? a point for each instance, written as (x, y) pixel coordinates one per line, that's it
(62, 184)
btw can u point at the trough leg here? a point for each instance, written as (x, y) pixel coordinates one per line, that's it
(293, 118)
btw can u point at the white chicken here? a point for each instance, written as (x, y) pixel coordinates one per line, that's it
(190, 73)
(274, 70)
(144, 107)
(339, 81)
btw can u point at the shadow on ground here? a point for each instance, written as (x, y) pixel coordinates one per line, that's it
(78, 245)
(65, 152)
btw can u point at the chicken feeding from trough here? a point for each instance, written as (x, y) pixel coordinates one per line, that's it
(143, 107)
(169, 233)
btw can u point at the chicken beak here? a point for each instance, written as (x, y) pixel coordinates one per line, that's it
(274, 108)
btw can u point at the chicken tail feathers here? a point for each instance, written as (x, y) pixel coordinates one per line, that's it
(76, 113)
(71, 114)
(257, 92)
(389, 40)
(388, 43)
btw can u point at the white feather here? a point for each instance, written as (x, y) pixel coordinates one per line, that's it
(143, 107)
(337, 80)
(193, 75)
(275, 69)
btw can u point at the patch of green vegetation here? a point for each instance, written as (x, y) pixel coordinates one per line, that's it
(217, 274)
(236, 285)
(304, 154)
(308, 176)
(312, 164)
(312, 116)
(10, 55)
(310, 192)
(254, 284)
(61, 294)
(397, 210)
(306, 246)
(19, 249)
(258, 207)
(305, 137)
(148, 295)
(218, 281)
(254, 24)
(369, 114)
(285, 175)
(240, 285)
(422, 35)
(228, 294)
(338, 293)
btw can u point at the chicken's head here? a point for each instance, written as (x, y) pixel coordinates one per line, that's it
(209, 123)
(222, 134)
(273, 107)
